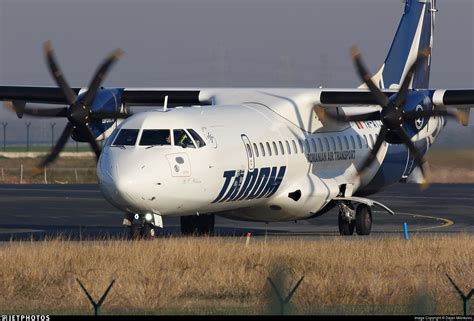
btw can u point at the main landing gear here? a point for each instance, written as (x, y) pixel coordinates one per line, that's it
(197, 224)
(359, 220)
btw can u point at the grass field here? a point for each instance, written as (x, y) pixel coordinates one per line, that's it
(223, 275)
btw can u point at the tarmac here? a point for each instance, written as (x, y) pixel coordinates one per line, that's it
(80, 212)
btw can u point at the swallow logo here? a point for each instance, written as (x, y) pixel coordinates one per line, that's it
(419, 121)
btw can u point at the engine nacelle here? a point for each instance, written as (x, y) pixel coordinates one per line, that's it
(106, 100)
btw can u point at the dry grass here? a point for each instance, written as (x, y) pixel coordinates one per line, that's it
(62, 171)
(222, 275)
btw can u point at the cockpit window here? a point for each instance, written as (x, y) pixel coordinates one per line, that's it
(199, 141)
(111, 138)
(152, 137)
(181, 138)
(126, 137)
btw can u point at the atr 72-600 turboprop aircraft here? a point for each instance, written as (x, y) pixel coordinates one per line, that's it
(258, 154)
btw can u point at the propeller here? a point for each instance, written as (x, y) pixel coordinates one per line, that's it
(392, 113)
(79, 112)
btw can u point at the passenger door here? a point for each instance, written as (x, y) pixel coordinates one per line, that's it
(249, 151)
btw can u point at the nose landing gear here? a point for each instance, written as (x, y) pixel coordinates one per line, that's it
(142, 226)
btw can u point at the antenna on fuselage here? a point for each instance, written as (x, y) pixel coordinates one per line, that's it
(165, 105)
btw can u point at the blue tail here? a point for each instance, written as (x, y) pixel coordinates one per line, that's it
(414, 33)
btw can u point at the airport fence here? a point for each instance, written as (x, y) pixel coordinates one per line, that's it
(27, 175)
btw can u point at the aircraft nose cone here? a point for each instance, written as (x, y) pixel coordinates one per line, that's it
(114, 184)
(124, 184)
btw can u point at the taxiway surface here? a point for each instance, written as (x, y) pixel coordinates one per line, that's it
(80, 211)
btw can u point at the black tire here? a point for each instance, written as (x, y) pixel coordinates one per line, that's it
(135, 231)
(345, 227)
(363, 220)
(148, 231)
(205, 224)
(187, 225)
(197, 225)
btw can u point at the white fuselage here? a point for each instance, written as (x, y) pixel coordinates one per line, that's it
(255, 165)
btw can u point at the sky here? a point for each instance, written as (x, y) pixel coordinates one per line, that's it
(238, 43)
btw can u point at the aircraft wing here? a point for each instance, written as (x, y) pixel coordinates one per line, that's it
(196, 96)
(363, 97)
(130, 97)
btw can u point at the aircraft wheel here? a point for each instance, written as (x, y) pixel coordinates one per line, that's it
(363, 220)
(205, 224)
(198, 225)
(345, 227)
(187, 225)
(148, 231)
(135, 231)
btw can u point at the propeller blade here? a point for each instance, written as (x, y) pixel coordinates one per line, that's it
(100, 75)
(108, 115)
(38, 111)
(57, 73)
(403, 92)
(417, 156)
(58, 147)
(86, 132)
(362, 117)
(429, 113)
(379, 96)
(16, 107)
(373, 152)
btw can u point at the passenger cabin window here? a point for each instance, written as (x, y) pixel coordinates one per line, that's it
(255, 149)
(262, 150)
(320, 145)
(182, 139)
(359, 141)
(326, 143)
(353, 142)
(269, 149)
(199, 141)
(282, 150)
(346, 142)
(126, 137)
(301, 146)
(366, 141)
(339, 142)
(295, 149)
(288, 149)
(333, 143)
(306, 146)
(313, 144)
(155, 137)
(275, 149)
(371, 140)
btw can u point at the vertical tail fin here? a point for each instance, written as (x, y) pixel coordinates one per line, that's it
(414, 33)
